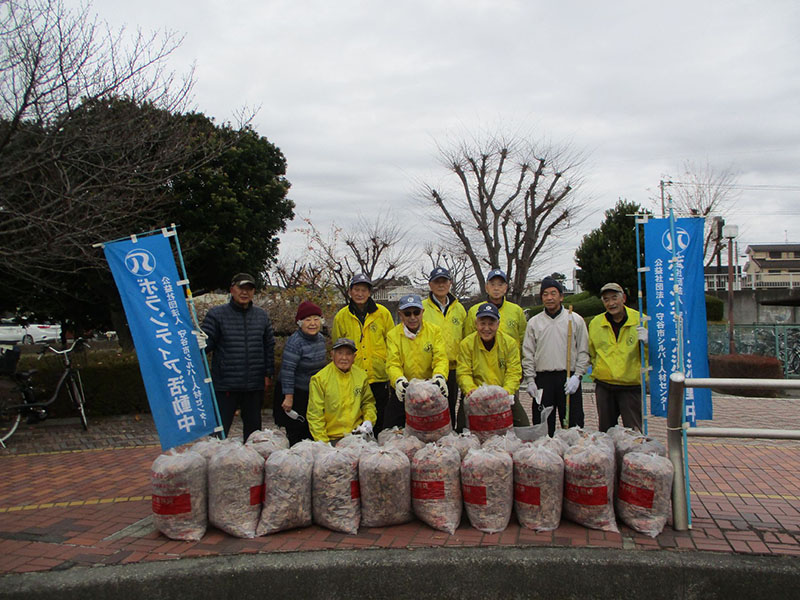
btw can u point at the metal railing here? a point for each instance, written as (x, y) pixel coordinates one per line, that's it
(676, 429)
(753, 281)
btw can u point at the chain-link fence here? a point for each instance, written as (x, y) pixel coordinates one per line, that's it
(780, 341)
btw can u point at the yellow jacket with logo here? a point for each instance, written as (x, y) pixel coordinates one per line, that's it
(369, 338)
(512, 320)
(615, 360)
(451, 324)
(499, 366)
(420, 358)
(338, 402)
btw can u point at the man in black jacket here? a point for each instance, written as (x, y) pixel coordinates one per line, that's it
(241, 340)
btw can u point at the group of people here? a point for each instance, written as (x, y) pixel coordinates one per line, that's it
(364, 386)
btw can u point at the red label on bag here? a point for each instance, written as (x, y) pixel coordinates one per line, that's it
(588, 496)
(355, 490)
(474, 494)
(172, 505)
(427, 490)
(527, 494)
(257, 494)
(636, 495)
(431, 423)
(491, 422)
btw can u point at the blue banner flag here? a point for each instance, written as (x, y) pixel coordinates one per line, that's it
(662, 280)
(177, 387)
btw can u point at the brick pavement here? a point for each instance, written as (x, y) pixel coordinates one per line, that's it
(72, 498)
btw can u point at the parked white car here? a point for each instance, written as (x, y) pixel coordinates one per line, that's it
(13, 331)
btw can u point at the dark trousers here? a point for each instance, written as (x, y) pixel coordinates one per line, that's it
(297, 430)
(395, 413)
(552, 384)
(452, 396)
(380, 389)
(614, 401)
(249, 403)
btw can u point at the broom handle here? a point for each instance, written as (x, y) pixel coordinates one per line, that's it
(569, 362)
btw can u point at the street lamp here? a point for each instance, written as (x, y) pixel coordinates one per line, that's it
(730, 232)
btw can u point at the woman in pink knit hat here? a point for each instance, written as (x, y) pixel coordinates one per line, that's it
(303, 355)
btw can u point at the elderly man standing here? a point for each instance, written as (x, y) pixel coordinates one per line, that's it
(445, 311)
(367, 323)
(616, 363)
(239, 336)
(340, 400)
(488, 357)
(512, 322)
(544, 357)
(416, 350)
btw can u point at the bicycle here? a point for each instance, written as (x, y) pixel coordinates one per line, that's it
(12, 410)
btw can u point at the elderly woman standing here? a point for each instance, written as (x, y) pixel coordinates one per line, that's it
(303, 355)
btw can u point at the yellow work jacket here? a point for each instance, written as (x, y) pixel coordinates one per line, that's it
(451, 324)
(369, 338)
(499, 366)
(338, 402)
(512, 320)
(615, 360)
(420, 358)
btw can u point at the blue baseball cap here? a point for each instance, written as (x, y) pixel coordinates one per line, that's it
(487, 309)
(439, 272)
(497, 273)
(360, 278)
(409, 301)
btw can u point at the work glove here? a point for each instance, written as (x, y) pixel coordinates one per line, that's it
(641, 333)
(201, 338)
(572, 385)
(365, 427)
(400, 388)
(532, 389)
(295, 416)
(441, 383)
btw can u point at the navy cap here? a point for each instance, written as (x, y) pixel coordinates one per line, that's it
(360, 278)
(497, 273)
(439, 272)
(409, 301)
(487, 309)
(344, 342)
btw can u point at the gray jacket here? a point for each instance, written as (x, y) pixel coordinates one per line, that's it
(242, 344)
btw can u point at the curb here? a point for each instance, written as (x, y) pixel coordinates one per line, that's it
(442, 573)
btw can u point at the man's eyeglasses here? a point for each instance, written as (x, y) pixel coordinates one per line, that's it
(412, 313)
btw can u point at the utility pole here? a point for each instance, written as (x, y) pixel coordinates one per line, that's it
(730, 232)
(661, 184)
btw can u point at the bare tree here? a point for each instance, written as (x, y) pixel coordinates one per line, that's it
(89, 135)
(511, 201)
(295, 273)
(376, 248)
(458, 263)
(708, 192)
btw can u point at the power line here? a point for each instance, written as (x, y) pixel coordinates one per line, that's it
(739, 186)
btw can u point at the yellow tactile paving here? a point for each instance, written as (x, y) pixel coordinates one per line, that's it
(92, 501)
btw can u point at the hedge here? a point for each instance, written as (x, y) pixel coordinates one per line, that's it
(746, 366)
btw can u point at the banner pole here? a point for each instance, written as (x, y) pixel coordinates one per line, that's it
(188, 294)
(639, 274)
(679, 336)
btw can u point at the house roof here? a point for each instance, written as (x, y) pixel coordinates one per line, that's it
(773, 248)
(786, 263)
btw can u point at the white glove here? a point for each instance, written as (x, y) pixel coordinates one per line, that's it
(532, 389)
(441, 383)
(400, 388)
(365, 427)
(572, 385)
(201, 337)
(641, 332)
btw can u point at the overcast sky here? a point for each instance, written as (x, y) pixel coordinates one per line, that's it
(356, 94)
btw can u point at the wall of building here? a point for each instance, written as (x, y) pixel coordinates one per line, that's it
(747, 307)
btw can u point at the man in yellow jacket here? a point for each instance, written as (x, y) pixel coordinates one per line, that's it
(340, 399)
(367, 323)
(445, 311)
(488, 357)
(614, 339)
(512, 322)
(415, 350)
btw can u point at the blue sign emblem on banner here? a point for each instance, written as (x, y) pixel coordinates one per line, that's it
(661, 280)
(180, 398)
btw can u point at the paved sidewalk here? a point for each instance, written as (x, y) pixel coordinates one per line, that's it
(71, 498)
